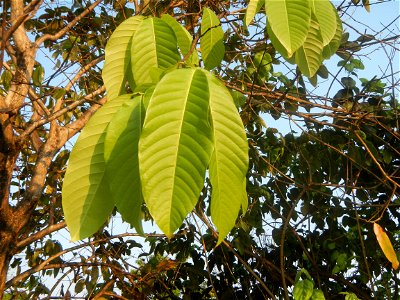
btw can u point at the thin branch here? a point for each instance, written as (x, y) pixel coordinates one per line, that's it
(40, 234)
(66, 29)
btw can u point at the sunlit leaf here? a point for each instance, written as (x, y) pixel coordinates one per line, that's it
(154, 46)
(290, 21)
(252, 9)
(386, 245)
(86, 197)
(334, 44)
(325, 14)
(175, 146)
(122, 163)
(211, 40)
(184, 39)
(309, 56)
(229, 162)
(117, 57)
(303, 289)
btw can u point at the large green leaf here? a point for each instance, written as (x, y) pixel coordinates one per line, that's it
(334, 44)
(175, 146)
(309, 56)
(86, 197)
(211, 40)
(290, 21)
(118, 57)
(325, 14)
(154, 49)
(184, 39)
(122, 163)
(229, 161)
(252, 9)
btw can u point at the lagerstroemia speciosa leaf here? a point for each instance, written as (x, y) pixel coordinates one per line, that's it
(175, 146)
(184, 40)
(252, 9)
(229, 161)
(154, 48)
(117, 57)
(86, 196)
(290, 21)
(122, 163)
(211, 40)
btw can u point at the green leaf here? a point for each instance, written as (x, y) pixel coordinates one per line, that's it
(334, 44)
(263, 65)
(118, 57)
(38, 75)
(290, 22)
(252, 9)
(309, 56)
(317, 295)
(86, 197)
(184, 39)
(303, 289)
(325, 14)
(122, 163)
(229, 161)
(175, 147)
(278, 46)
(211, 40)
(154, 46)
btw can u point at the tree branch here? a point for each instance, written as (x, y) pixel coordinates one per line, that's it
(54, 37)
(40, 234)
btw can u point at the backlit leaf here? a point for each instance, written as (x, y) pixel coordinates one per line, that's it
(122, 163)
(117, 57)
(309, 56)
(211, 40)
(303, 289)
(184, 39)
(175, 147)
(86, 197)
(386, 245)
(334, 44)
(154, 46)
(325, 14)
(290, 21)
(229, 161)
(252, 9)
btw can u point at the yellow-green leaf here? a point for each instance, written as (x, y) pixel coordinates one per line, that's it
(309, 56)
(290, 22)
(211, 40)
(175, 146)
(386, 245)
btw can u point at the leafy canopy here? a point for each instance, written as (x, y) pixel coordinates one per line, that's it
(158, 152)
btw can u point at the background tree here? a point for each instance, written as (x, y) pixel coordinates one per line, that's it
(315, 186)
